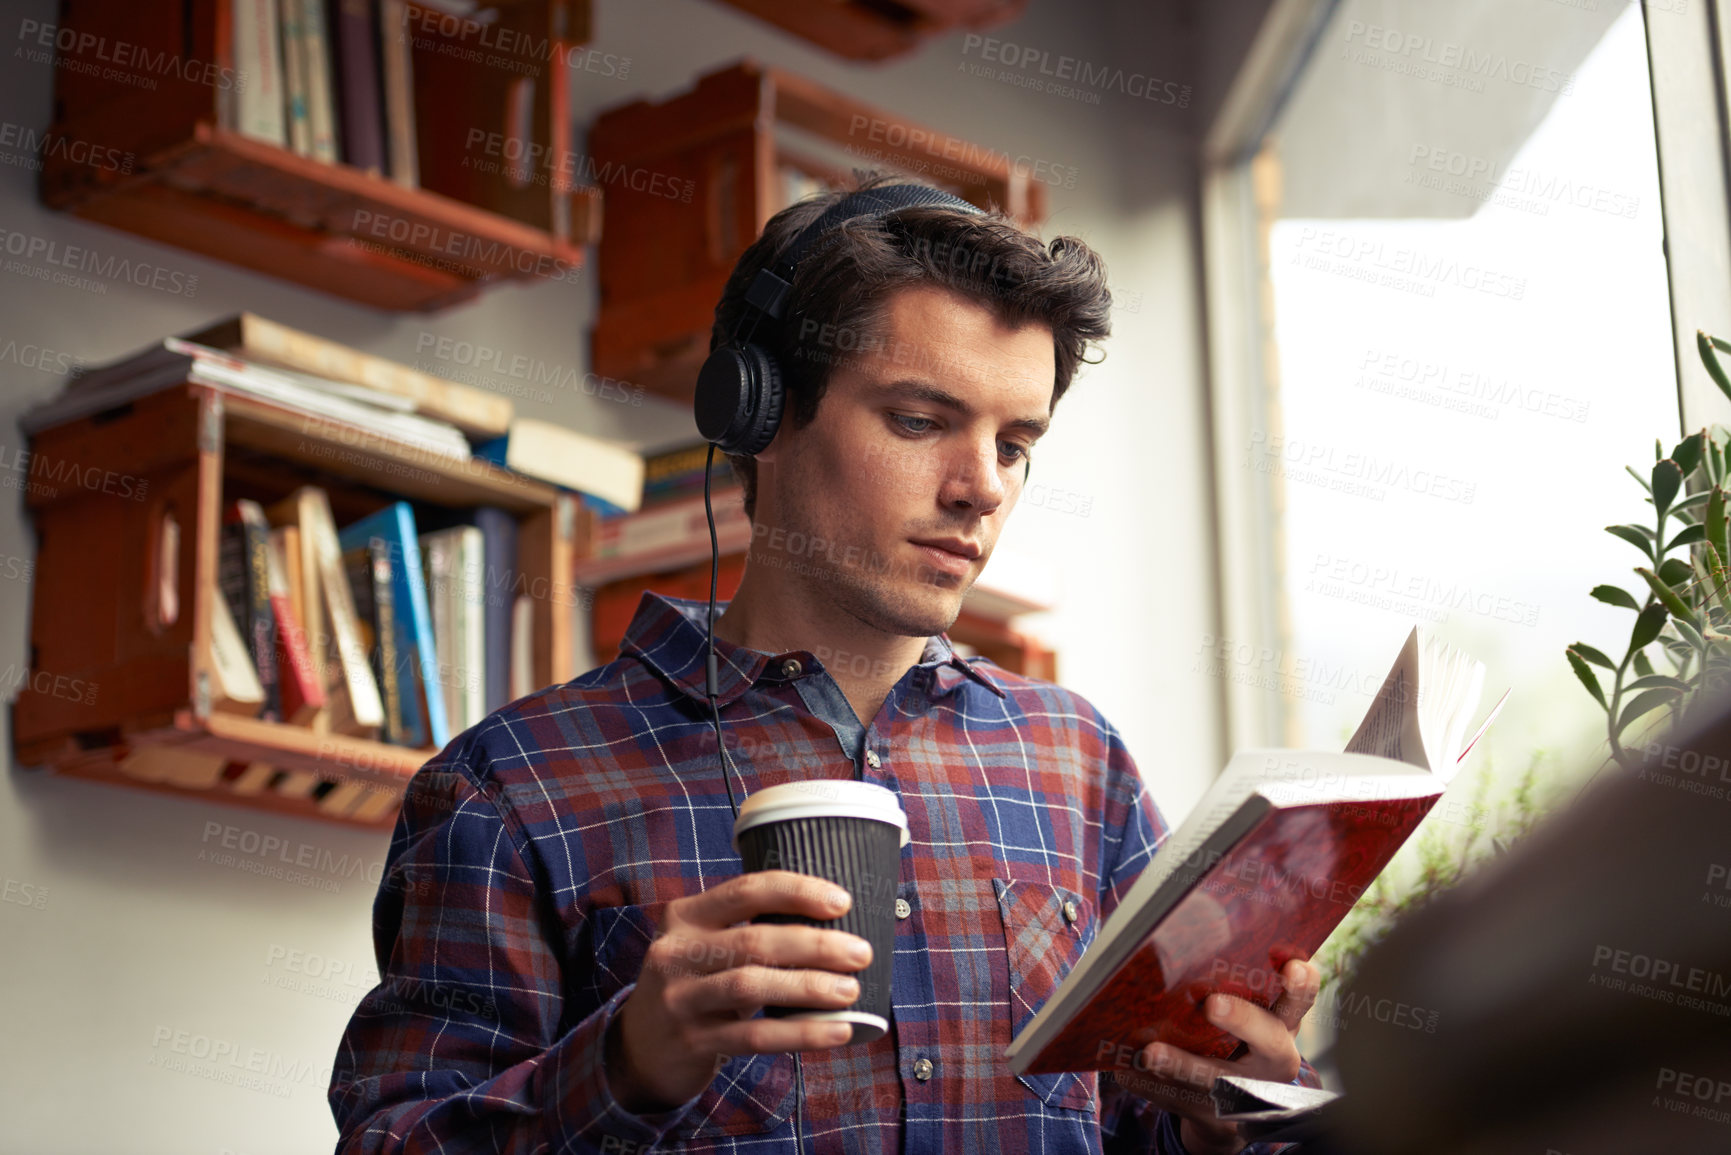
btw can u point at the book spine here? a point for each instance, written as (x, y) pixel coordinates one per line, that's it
(260, 621)
(365, 711)
(357, 73)
(258, 58)
(302, 695)
(474, 611)
(300, 130)
(474, 410)
(399, 91)
(321, 103)
(385, 630)
(498, 579)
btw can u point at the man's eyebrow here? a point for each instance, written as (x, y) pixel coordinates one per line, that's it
(921, 391)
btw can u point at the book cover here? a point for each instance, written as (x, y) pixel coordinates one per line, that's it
(424, 720)
(477, 412)
(571, 459)
(234, 685)
(360, 105)
(453, 559)
(1262, 871)
(500, 580)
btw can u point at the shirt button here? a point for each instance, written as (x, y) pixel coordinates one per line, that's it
(922, 1069)
(791, 668)
(873, 760)
(902, 908)
(1070, 911)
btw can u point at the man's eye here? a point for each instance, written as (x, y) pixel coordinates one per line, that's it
(908, 423)
(1014, 451)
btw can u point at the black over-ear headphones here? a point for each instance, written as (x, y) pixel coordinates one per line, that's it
(739, 398)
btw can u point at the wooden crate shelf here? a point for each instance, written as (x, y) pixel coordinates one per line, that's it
(328, 226)
(662, 263)
(107, 679)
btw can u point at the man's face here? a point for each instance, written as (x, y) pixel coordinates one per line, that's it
(893, 498)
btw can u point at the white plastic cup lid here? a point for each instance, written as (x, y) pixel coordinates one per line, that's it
(821, 798)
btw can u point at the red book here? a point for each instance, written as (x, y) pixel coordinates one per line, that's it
(1263, 870)
(302, 694)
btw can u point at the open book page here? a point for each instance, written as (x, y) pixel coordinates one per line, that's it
(1421, 712)
(1390, 729)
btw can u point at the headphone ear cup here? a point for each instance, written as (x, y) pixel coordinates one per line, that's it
(767, 400)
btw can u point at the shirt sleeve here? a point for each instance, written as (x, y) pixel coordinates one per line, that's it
(463, 1045)
(1133, 829)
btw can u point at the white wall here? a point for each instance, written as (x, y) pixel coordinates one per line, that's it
(136, 940)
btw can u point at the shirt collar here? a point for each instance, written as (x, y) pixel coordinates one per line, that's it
(668, 635)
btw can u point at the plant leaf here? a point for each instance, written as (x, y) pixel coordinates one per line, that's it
(1645, 701)
(1667, 480)
(1690, 635)
(1714, 519)
(1642, 665)
(1613, 596)
(1676, 572)
(1652, 681)
(1687, 455)
(1639, 478)
(1597, 657)
(1680, 609)
(1690, 535)
(1711, 360)
(1647, 627)
(1634, 535)
(1579, 665)
(1693, 502)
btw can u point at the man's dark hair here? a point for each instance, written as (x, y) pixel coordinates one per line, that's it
(836, 309)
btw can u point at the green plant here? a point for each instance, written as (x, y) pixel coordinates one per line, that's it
(1442, 855)
(1686, 610)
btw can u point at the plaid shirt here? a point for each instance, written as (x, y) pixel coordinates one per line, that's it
(533, 856)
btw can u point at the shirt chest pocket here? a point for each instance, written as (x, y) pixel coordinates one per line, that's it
(1046, 929)
(752, 1094)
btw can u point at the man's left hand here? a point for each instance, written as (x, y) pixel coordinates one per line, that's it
(1182, 1080)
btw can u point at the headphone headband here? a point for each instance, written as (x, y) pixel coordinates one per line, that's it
(738, 401)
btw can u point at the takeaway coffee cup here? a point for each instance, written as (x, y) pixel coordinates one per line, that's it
(851, 834)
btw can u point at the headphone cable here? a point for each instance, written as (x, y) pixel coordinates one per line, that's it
(710, 677)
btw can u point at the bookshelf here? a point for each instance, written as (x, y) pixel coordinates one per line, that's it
(193, 183)
(126, 575)
(748, 140)
(680, 569)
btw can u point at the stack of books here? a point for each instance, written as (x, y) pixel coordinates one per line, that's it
(330, 79)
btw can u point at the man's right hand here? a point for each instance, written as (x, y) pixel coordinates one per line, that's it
(704, 978)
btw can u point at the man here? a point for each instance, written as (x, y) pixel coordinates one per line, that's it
(571, 972)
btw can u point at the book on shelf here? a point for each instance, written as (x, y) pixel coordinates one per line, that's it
(368, 567)
(1261, 872)
(234, 684)
(174, 361)
(454, 560)
(671, 474)
(295, 81)
(321, 96)
(301, 688)
(477, 412)
(261, 107)
(355, 67)
(422, 719)
(243, 575)
(351, 693)
(500, 581)
(567, 458)
(665, 536)
(397, 73)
